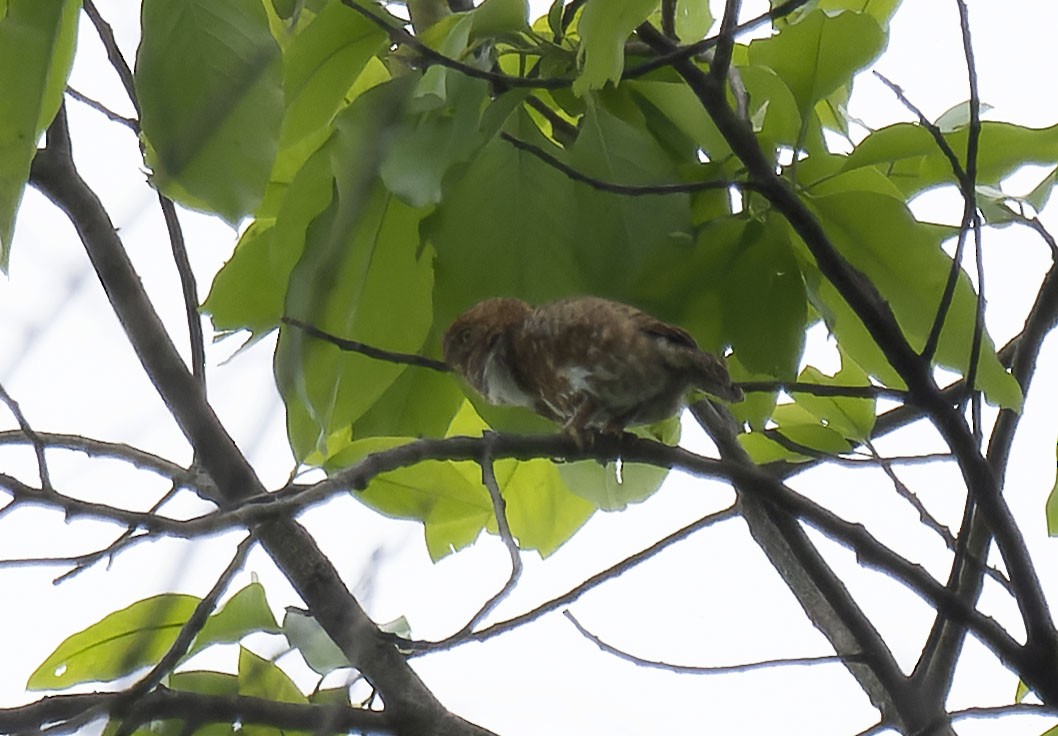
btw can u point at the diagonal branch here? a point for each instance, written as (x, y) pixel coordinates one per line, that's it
(294, 550)
(877, 317)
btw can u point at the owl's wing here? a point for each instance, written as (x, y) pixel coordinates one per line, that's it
(665, 331)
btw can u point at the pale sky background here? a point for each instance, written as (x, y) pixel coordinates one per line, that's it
(710, 600)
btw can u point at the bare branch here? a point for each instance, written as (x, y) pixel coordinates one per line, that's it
(355, 346)
(502, 627)
(34, 439)
(198, 709)
(687, 669)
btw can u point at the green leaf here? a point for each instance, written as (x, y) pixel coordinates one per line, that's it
(261, 678)
(764, 304)
(37, 42)
(122, 642)
(604, 28)
(1041, 193)
(244, 613)
(957, 116)
(205, 681)
(611, 487)
(420, 403)
(305, 634)
(773, 108)
(425, 146)
(209, 82)
(849, 417)
(1051, 508)
(378, 293)
(541, 510)
(819, 53)
(362, 275)
(693, 20)
(505, 227)
(903, 258)
(496, 17)
(880, 10)
(906, 153)
(616, 236)
(452, 508)
(321, 65)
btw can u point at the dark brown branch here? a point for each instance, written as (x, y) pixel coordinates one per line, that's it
(725, 44)
(368, 350)
(110, 43)
(199, 709)
(34, 439)
(819, 389)
(686, 669)
(683, 53)
(877, 317)
(410, 704)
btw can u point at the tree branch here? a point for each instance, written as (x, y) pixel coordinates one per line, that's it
(686, 669)
(411, 706)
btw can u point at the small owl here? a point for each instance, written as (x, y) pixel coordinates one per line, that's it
(590, 364)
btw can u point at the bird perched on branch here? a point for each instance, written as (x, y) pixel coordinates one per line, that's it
(591, 364)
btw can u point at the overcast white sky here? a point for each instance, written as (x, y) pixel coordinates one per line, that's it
(711, 600)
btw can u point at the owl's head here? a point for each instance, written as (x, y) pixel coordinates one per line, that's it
(476, 332)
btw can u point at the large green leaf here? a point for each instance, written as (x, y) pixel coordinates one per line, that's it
(122, 642)
(541, 510)
(209, 83)
(505, 228)
(904, 260)
(250, 290)
(819, 53)
(140, 634)
(36, 51)
(850, 417)
(616, 236)
(764, 304)
(378, 293)
(321, 65)
(604, 28)
(453, 509)
(245, 612)
(454, 505)
(426, 145)
(611, 487)
(362, 275)
(907, 153)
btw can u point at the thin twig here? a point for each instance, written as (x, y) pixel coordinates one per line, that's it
(499, 509)
(38, 444)
(364, 349)
(188, 288)
(184, 639)
(819, 389)
(502, 627)
(928, 520)
(110, 43)
(130, 123)
(687, 669)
